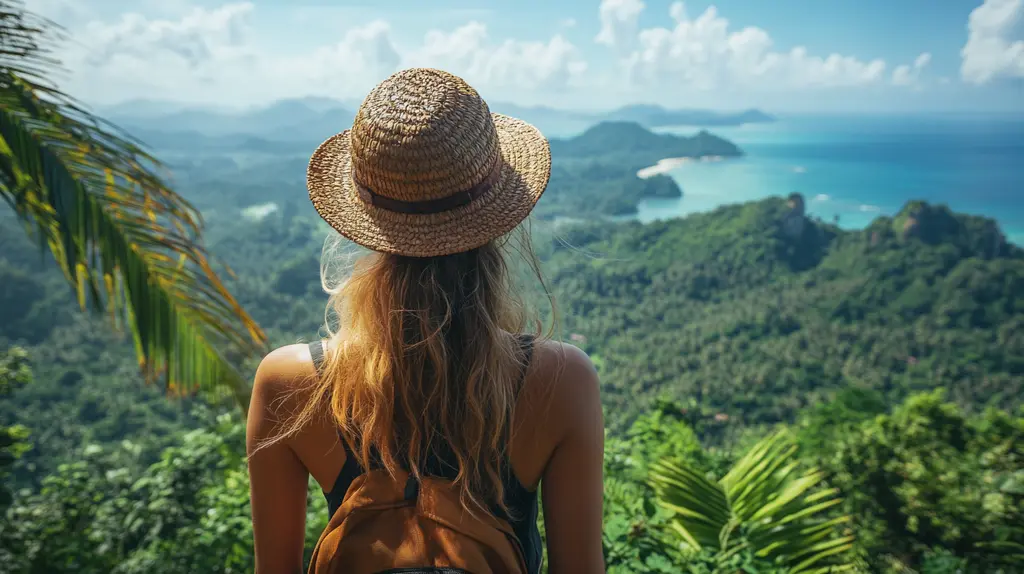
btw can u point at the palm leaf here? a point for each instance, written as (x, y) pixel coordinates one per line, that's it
(126, 243)
(767, 503)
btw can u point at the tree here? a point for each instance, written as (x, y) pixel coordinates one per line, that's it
(125, 241)
(928, 477)
(14, 374)
(767, 507)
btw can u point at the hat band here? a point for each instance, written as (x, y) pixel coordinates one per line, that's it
(431, 206)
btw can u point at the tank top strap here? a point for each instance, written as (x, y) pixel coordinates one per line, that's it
(441, 464)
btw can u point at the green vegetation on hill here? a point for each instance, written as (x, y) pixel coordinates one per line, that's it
(595, 173)
(783, 397)
(707, 332)
(892, 354)
(755, 311)
(924, 488)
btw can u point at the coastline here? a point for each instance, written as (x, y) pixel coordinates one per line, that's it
(667, 165)
(711, 183)
(860, 167)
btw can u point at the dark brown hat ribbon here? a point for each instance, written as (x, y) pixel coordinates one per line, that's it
(429, 206)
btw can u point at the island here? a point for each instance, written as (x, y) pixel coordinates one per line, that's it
(613, 166)
(657, 116)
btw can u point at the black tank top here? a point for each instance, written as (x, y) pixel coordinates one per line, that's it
(521, 502)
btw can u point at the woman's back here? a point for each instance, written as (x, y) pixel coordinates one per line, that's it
(558, 442)
(424, 372)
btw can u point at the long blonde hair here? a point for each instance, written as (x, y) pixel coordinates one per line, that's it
(424, 356)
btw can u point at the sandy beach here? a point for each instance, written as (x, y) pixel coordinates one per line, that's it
(665, 166)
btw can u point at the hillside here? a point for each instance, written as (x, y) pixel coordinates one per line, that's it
(755, 311)
(706, 331)
(752, 310)
(595, 173)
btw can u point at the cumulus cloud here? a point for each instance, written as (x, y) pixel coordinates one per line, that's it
(910, 75)
(214, 55)
(467, 51)
(218, 54)
(363, 57)
(618, 22)
(202, 53)
(704, 53)
(199, 37)
(992, 51)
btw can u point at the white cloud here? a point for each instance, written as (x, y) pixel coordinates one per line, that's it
(202, 55)
(910, 75)
(467, 52)
(201, 36)
(214, 55)
(225, 55)
(702, 53)
(618, 22)
(991, 51)
(363, 57)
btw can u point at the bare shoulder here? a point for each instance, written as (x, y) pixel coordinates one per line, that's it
(565, 363)
(566, 376)
(283, 373)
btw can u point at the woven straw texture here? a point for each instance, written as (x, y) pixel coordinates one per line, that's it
(425, 134)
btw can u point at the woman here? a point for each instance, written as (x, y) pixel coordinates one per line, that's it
(427, 379)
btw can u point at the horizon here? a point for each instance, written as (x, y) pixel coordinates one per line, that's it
(352, 106)
(793, 57)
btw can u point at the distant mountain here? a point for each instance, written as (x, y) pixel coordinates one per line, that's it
(633, 145)
(657, 116)
(597, 171)
(293, 120)
(313, 119)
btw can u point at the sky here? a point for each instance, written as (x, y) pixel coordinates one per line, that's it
(781, 55)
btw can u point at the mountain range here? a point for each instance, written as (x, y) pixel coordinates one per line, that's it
(315, 119)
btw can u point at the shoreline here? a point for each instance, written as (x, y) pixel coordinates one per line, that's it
(669, 164)
(708, 184)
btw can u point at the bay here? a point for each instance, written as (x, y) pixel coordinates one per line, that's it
(859, 167)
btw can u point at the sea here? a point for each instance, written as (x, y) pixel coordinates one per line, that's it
(856, 168)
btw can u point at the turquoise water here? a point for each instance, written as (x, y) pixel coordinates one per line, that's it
(861, 167)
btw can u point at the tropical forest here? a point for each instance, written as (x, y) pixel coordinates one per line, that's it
(782, 395)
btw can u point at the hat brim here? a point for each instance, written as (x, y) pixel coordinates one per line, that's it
(526, 168)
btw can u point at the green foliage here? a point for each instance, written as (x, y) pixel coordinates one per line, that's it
(188, 512)
(126, 243)
(630, 143)
(928, 477)
(595, 173)
(708, 333)
(14, 374)
(767, 504)
(753, 321)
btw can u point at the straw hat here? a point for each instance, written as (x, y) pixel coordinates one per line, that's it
(427, 170)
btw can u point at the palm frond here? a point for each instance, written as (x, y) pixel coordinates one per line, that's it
(766, 503)
(126, 243)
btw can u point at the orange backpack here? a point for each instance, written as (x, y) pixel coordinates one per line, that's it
(404, 525)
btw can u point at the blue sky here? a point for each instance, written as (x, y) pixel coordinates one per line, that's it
(781, 55)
